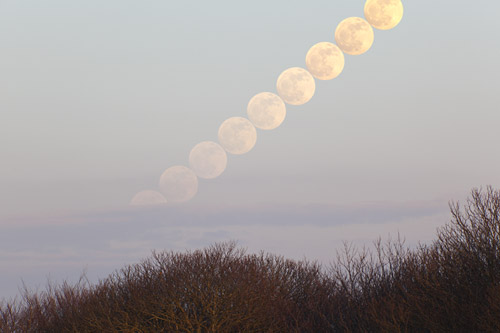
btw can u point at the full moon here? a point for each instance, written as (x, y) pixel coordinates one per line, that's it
(296, 86)
(384, 14)
(266, 110)
(325, 61)
(178, 184)
(354, 35)
(148, 198)
(208, 159)
(237, 135)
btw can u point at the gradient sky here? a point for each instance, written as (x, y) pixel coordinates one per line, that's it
(98, 98)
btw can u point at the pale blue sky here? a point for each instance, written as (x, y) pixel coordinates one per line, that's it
(97, 98)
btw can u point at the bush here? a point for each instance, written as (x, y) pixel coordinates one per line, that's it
(451, 285)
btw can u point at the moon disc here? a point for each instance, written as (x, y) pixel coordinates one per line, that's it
(384, 14)
(296, 86)
(325, 61)
(208, 159)
(237, 135)
(148, 198)
(266, 110)
(178, 184)
(354, 35)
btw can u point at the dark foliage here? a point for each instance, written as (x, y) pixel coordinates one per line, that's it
(451, 285)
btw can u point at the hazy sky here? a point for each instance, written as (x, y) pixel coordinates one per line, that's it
(98, 98)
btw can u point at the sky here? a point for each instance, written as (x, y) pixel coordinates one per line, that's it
(98, 98)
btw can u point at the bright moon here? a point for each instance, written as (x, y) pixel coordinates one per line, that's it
(178, 184)
(325, 61)
(384, 14)
(208, 159)
(237, 135)
(266, 111)
(354, 35)
(296, 86)
(148, 198)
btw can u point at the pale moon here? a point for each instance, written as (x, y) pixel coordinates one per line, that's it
(266, 111)
(208, 159)
(178, 184)
(296, 86)
(325, 61)
(384, 14)
(354, 35)
(237, 135)
(148, 198)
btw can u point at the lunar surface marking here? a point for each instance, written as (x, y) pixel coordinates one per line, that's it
(266, 110)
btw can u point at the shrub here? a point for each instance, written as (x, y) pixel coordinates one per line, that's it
(452, 284)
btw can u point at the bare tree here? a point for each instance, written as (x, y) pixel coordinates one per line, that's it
(452, 284)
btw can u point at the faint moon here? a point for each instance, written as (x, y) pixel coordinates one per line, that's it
(266, 110)
(208, 159)
(354, 35)
(296, 86)
(178, 184)
(325, 61)
(148, 198)
(384, 14)
(237, 135)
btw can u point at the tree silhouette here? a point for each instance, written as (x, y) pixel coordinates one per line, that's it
(450, 285)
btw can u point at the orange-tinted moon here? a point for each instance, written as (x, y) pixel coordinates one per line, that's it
(208, 159)
(296, 86)
(384, 14)
(325, 61)
(237, 135)
(148, 198)
(266, 110)
(354, 36)
(178, 184)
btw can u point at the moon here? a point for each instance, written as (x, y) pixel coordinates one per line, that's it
(266, 111)
(208, 159)
(325, 61)
(237, 135)
(296, 86)
(354, 35)
(384, 14)
(178, 184)
(148, 198)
